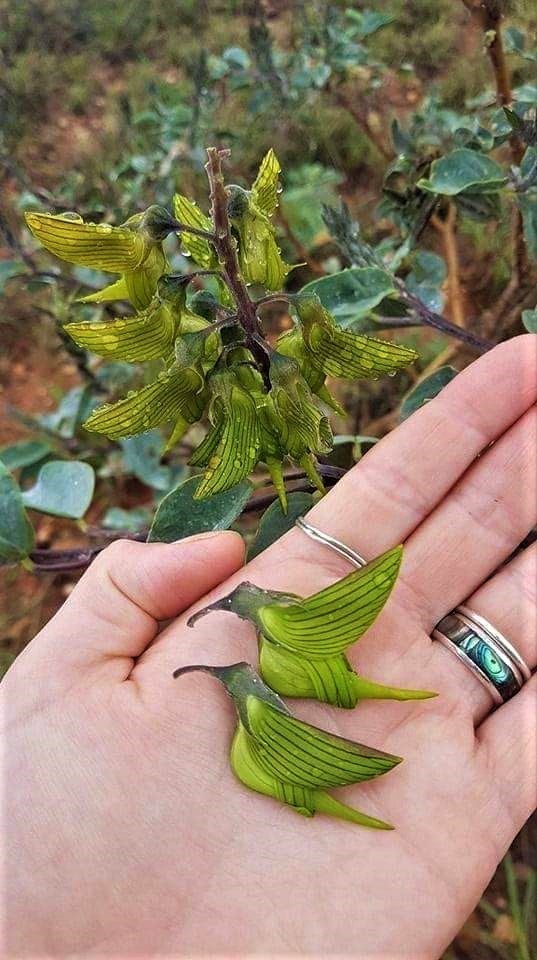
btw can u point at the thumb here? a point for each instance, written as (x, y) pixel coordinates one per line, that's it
(115, 608)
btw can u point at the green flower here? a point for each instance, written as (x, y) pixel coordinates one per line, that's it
(301, 429)
(178, 394)
(249, 211)
(291, 344)
(230, 449)
(149, 335)
(303, 642)
(275, 754)
(133, 250)
(340, 353)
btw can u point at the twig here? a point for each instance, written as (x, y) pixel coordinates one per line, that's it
(432, 319)
(272, 298)
(446, 229)
(185, 228)
(68, 561)
(361, 119)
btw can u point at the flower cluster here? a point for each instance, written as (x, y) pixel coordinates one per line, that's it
(302, 646)
(263, 404)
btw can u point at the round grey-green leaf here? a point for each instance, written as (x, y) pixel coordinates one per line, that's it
(464, 169)
(64, 488)
(16, 533)
(351, 294)
(427, 389)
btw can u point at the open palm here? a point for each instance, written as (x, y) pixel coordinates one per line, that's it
(126, 829)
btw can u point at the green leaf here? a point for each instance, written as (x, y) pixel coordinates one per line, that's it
(236, 57)
(515, 42)
(463, 169)
(529, 319)
(426, 390)
(528, 207)
(9, 269)
(64, 488)
(16, 533)
(24, 454)
(350, 294)
(179, 515)
(426, 277)
(132, 521)
(274, 522)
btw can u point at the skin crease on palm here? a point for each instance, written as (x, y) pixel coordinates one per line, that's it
(125, 831)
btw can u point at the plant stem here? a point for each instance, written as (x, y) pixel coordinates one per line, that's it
(361, 119)
(65, 561)
(432, 319)
(489, 14)
(446, 229)
(226, 250)
(272, 298)
(185, 228)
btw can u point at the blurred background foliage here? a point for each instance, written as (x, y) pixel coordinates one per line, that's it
(107, 108)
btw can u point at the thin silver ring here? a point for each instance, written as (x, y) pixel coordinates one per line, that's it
(485, 651)
(351, 555)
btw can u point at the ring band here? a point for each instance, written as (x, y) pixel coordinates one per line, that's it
(476, 642)
(485, 651)
(320, 537)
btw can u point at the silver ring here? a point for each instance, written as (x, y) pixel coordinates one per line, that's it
(476, 642)
(485, 651)
(320, 537)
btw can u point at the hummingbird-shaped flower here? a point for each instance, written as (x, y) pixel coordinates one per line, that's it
(178, 394)
(291, 344)
(341, 353)
(133, 250)
(249, 212)
(230, 449)
(280, 756)
(302, 430)
(302, 643)
(148, 335)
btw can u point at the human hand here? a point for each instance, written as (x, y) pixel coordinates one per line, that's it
(126, 832)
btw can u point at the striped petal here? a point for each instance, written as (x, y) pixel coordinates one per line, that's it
(265, 188)
(142, 283)
(238, 449)
(189, 213)
(325, 624)
(352, 356)
(175, 393)
(341, 353)
(114, 291)
(99, 246)
(298, 753)
(147, 336)
(207, 447)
